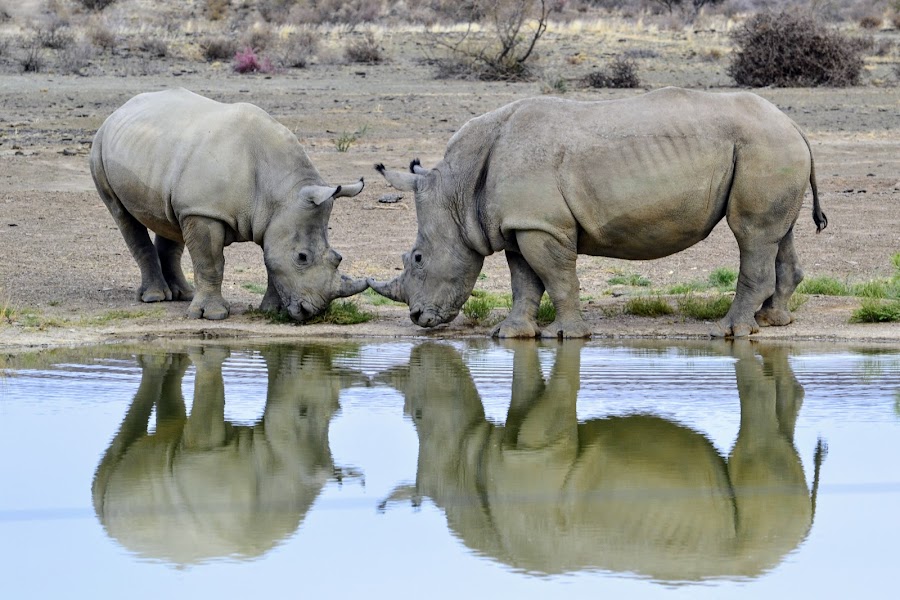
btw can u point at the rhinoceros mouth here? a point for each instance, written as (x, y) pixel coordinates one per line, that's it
(430, 316)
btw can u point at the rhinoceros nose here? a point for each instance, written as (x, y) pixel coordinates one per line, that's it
(414, 314)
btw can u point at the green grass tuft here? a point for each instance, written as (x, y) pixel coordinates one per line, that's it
(824, 286)
(687, 288)
(546, 312)
(723, 278)
(704, 308)
(478, 308)
(876, 311)
(256, 288)
(634, 279)
(648, 306)
(342, 313)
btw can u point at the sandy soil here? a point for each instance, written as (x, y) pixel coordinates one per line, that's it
(63, 261)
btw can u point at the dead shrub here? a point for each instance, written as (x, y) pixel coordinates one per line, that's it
(32, 59)
(791, 49)
(218, 48)
(216, 10)
(247, 61)
(895, 20)
(73, 59)
(620, 72)
(155, 47)
(101, 37)
(505, 49)
(297, 50)
(364, 50)
(870, 22)
(54, 34)
(259, 38)
(96, 5)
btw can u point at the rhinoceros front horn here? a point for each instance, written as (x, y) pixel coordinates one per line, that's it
(351, 287)
(392, 289)
(349, 191)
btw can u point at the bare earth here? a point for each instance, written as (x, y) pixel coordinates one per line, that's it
(63, 261)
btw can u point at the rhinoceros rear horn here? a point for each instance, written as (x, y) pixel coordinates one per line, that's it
(416, 167)
(391, 290)
(350, 190)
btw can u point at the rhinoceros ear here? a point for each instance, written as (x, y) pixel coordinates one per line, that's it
(317, 194)
(405, 182)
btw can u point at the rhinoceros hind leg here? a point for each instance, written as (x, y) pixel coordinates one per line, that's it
(756, 283)
(527, 289)
(554, 263)
(788, 276)
(169, 253)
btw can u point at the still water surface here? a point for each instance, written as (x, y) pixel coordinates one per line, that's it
(452, 470)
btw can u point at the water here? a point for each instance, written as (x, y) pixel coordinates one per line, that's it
(451, 470)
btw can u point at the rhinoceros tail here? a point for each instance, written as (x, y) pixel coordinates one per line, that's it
(817, 214)
(818, 459)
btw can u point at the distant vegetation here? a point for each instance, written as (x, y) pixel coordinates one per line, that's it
(813, 42)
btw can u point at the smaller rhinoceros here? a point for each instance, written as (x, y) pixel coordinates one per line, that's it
(547, 179)
(205, 174)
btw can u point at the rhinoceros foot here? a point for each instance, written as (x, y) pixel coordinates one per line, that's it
(208, 307)
(773, 317)
(181, 291)
(154, 293)
(567, 330)
(729, 328)
(516, 328)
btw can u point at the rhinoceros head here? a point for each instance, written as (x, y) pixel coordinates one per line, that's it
(301, 264)
(441, 269)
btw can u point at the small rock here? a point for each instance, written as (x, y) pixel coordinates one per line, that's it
(390, 198)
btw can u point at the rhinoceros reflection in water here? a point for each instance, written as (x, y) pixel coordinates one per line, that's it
(636, 493)
(199, 487)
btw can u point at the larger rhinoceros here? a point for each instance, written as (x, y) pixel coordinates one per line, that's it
(205, 174)
(548, 493)
(547, 179)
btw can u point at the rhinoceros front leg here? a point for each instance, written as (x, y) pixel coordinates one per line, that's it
(527, 289)
(169, 253)
(205, 240)
(788, 276)
(271, 302)
(554, 263)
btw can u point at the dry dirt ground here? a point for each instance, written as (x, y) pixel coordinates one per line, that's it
(66, 276)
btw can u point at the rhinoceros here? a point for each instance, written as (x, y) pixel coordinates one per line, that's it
(199, 487)
(206, 174)
(547, 493)
(547, 179)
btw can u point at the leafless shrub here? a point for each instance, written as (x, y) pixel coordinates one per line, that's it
(218, 48)
(259, 38)
(217, 9)
(54, 34)
(74, 58)
(275, 11)
(791, 49)
(96, 5)
(101, 36)
(506, 51)
(155, 47)
(33, 59)
(895, 20)
(620, 72)
(870, 22)
(883, 48)
(298, 49)
(364, 50)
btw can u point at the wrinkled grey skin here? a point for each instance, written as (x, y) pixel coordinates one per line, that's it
(199, 487)
(639, 493)
(204, 174)
(547, 179)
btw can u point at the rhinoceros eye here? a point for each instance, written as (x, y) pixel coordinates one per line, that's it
(302, 258)
(417, 257)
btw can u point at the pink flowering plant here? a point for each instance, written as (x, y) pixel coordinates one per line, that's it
(247, 61)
